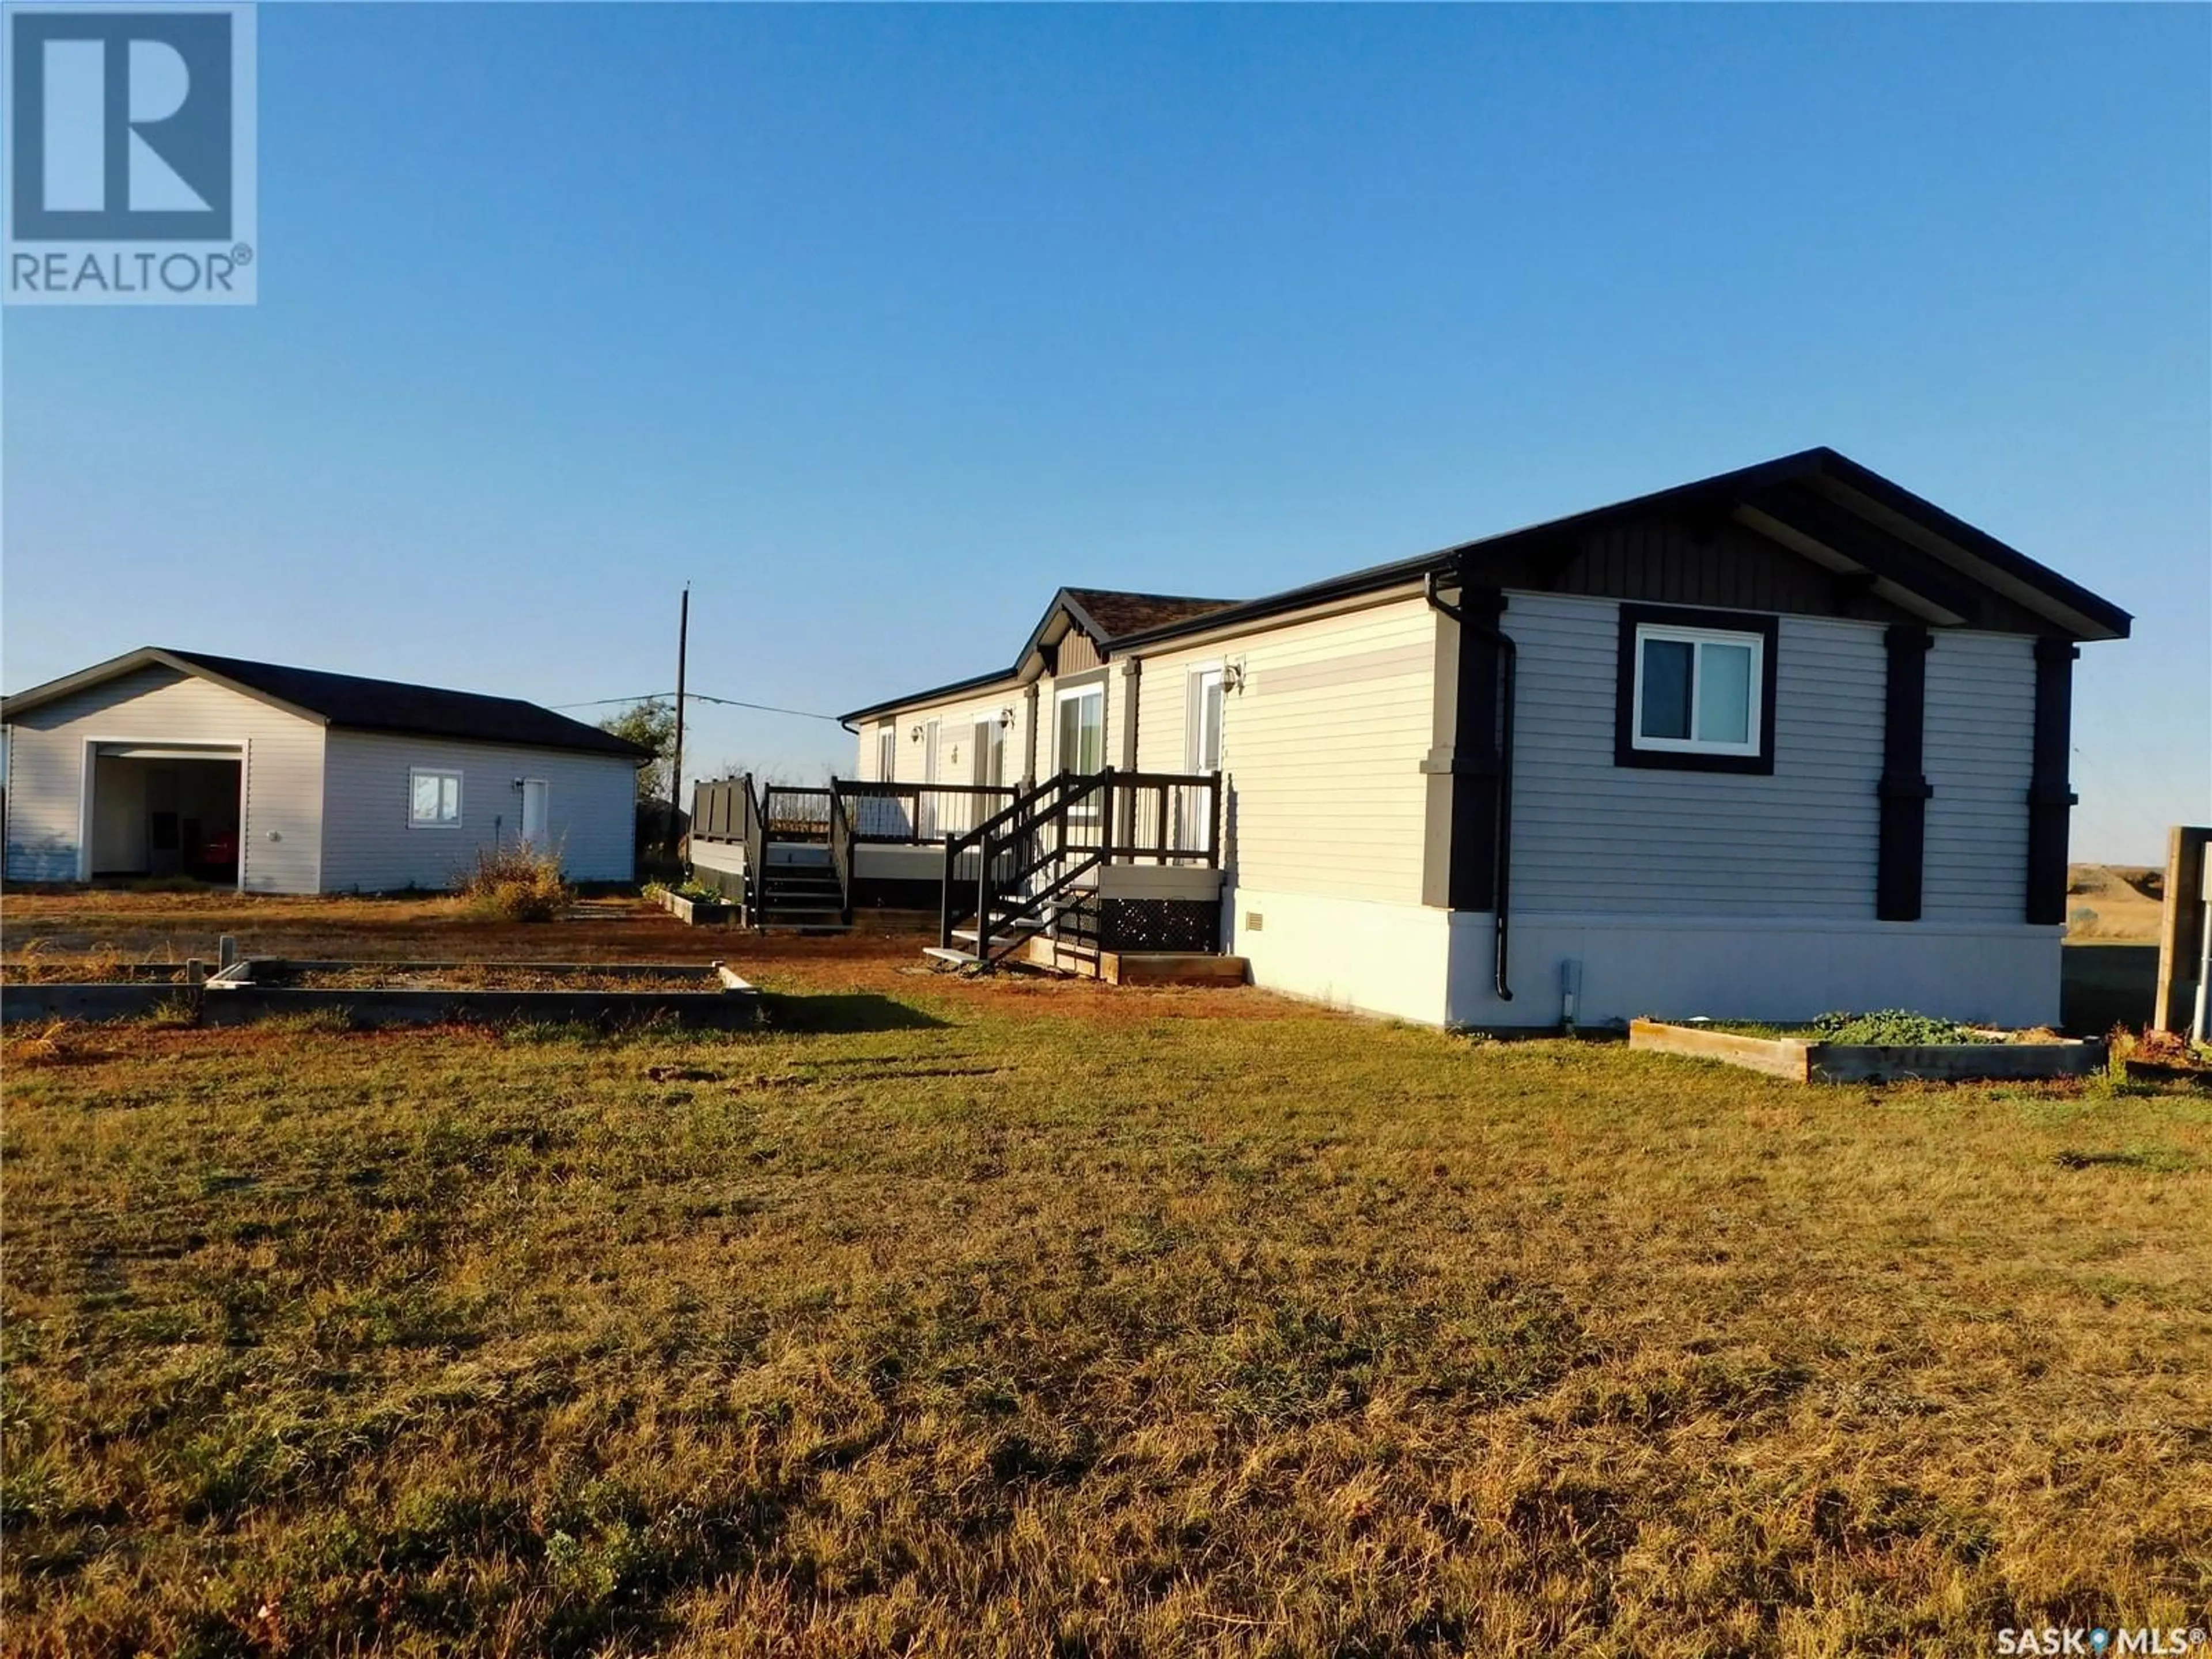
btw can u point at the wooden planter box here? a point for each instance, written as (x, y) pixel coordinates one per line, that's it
(698, 913)
(1803, 1061)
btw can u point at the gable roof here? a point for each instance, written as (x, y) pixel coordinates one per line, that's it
(1818, 502)
(1107, 615)
(1916, 548)
(354, 703)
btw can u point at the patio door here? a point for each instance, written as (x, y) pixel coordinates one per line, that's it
(1082, 729)
(925, 803)
(1202, 754)
(1079, 745)
(537, 812)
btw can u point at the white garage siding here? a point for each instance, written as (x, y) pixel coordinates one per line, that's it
(280, 838)
(370, 845)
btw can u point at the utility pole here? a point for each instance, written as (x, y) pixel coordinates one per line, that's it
(676, 761)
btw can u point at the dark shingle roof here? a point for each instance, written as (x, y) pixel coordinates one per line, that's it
(1117, 613)
(393, 705)
(348, 700)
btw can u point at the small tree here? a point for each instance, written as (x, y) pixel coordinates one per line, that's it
(650, 725)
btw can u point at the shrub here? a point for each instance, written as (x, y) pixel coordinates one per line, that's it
(1895, 1027)
(515, 883)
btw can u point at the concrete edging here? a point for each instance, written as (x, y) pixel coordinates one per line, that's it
(96, 1002)
(233, 997)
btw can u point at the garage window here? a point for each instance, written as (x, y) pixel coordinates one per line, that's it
(433, 798)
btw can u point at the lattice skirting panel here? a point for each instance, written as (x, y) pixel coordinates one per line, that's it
(1135, 924)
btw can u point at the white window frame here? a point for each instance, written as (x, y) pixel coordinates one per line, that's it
(1194, 714)
(887, 754)
(460, 806)
(1697, 639)
(522, 812)
(1075, 694)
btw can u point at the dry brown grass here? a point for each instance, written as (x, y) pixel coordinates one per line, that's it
(514, 882)
(1019, 1317)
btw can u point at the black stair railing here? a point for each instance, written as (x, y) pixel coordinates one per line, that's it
(1026, 873)
(841, 854)
(1029, 868)
(1013, 825)
(752, 829)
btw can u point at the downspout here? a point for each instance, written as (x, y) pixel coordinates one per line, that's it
(1502, 871)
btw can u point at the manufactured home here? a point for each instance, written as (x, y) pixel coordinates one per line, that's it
(278, 780)
(1784, 740)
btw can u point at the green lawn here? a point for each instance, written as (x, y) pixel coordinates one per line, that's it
(1015, 1323)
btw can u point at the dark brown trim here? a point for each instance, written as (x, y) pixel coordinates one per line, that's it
(2050, 795)
(1471, 879)
(1624, 751)
(1883, 556)
(1903, 789)
(1132, 667)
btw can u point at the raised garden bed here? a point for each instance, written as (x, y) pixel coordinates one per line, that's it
(36, 988)
(491, 993)
(698, 909)
(397, 993)
(1812, 1059)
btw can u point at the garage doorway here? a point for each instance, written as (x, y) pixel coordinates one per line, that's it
(164, 811)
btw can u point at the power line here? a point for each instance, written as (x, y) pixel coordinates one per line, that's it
(699, 697)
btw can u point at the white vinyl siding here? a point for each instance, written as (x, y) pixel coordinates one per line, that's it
(369, 845)
(956, 755)
(1592, 836)
(1320, 749)
(1978, 755)
(281, 832)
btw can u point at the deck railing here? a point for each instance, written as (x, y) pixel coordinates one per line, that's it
(728, 811)
(917, 814)
(1037, 855)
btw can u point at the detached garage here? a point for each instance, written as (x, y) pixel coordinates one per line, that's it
(282, 780)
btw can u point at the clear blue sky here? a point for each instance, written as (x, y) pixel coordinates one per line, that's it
(877, 324)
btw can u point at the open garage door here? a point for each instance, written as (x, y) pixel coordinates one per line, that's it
(164, 809)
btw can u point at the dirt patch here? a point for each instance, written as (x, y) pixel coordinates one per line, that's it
(492, 977)
(880, 957)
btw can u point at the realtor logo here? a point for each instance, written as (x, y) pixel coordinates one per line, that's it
(131, 154)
